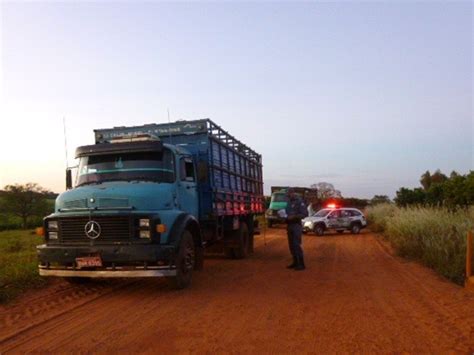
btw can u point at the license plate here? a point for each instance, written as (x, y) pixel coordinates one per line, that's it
(89, 261)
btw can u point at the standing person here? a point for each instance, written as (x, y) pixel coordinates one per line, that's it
(295, 211)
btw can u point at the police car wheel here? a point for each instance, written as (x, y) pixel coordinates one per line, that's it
(319, 230)
(355, 229)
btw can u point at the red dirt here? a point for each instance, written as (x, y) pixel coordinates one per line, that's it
(355, 296)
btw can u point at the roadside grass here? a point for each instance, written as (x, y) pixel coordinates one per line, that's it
(18, 263)
(435, 236)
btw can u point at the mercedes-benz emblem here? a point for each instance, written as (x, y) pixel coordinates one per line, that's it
(92, 229)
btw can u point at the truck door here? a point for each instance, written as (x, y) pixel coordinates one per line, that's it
(187, 187)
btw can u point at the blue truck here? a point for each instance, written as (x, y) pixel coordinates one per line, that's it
(148, 199)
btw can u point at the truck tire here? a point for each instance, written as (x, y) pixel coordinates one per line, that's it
(185, 261)
(229, 252)
(319, 229)
(242, 237)
(355, 228)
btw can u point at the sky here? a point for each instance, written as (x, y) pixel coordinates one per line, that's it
(364, 95)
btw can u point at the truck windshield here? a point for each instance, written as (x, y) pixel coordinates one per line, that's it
(281, 197)
(147, 166)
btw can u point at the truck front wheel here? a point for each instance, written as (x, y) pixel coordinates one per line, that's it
(185, 261)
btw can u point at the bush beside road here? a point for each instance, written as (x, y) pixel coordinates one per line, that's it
(18, 263)
(435, 236)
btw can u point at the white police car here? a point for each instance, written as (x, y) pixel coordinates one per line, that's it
(334, 218)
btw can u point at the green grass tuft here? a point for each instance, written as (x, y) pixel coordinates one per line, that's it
(18, 263)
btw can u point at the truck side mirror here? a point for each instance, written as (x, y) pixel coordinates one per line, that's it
(68, 179)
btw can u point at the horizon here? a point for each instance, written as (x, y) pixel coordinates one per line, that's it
(365, 96)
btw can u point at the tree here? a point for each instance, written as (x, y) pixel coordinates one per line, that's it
(379, 199)
(435, 194)
(438, 177)
(25, 201)
(425, 180)
(407, 197)
(455, 191)
(469, 188)
(326, 191)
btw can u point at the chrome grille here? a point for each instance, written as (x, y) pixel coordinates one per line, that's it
(113, 229)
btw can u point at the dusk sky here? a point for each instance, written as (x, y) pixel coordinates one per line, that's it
(366, 96)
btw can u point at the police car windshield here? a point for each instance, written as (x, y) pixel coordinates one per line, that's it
(322, 213)
(145, 166)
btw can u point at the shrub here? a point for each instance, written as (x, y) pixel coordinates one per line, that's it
(377, 215)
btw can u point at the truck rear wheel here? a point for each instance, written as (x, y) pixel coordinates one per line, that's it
(242, 237)
(185, 261)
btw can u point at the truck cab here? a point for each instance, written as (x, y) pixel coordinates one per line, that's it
(278, 201)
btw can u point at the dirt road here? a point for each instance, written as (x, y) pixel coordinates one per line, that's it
(355, 296)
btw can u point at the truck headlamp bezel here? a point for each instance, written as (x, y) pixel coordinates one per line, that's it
(144, 234)
(144, 223)
(53, 235)
(53, 225)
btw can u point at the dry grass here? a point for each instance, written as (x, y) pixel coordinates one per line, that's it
(436, 236)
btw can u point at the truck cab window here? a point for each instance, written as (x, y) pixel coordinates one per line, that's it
(127, 166)
(187, 170)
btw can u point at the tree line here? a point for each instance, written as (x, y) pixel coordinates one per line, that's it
(24, 205)
(437, 189)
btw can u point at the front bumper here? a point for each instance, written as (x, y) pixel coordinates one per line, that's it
(158, 272)
(144, 260)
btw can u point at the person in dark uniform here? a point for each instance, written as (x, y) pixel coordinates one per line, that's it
(295, 210)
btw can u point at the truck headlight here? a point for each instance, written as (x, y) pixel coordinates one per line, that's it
(53, 225)
(145, 234)
(53, 235)
(144, 223)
